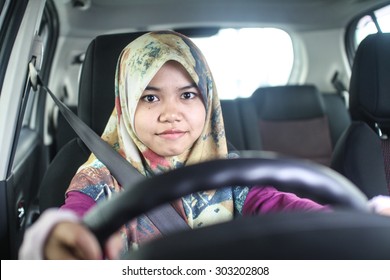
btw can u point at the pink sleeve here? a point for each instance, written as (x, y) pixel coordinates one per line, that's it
(267, 199)
(78, 202)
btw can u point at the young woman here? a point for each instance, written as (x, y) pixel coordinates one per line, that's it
(167, 115)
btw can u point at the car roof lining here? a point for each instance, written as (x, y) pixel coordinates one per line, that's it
(297, 15)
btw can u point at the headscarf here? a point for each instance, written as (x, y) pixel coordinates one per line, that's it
(137, 65)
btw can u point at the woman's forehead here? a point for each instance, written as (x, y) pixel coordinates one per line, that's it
(173, 67)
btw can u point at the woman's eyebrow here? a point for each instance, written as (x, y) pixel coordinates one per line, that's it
(152, 88)
(193, 85)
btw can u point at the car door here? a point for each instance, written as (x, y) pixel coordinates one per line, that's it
(27, 31)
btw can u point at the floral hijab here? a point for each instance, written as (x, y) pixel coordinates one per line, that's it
(137, 65)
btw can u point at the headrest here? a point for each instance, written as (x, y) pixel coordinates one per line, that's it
(290, 102)
(370, 81)
(97, 80)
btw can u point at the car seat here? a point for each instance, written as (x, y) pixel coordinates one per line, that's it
(233, 125)
(95, 105)
(338, 115)
(292, 121)
(363, 152)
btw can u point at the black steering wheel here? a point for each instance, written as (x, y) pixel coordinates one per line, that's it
(347, 232)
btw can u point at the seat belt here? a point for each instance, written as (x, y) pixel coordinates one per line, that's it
(165, 218)
(340, 88)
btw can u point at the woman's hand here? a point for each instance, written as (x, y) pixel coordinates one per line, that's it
(380, 204)
(59, 235)
(69, 240)
(385, 211)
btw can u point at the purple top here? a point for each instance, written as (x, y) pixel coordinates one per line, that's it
(78, 202)
(261, 200)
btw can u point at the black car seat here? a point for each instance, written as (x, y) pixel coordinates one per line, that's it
(63, 132)
(338, 115)
(95, 105)
(363, 152)
(233, 124)
(292, 120)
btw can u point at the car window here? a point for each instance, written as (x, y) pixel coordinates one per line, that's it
(3, 9)
(10, 20)
(263, 57)
(4, 5)
(376, 21)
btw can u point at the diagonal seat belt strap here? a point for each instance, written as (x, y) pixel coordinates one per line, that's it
(117, 165)
(166, 220)
(169, 220)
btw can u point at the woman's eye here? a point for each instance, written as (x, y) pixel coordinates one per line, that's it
(188, 95)
(149, 98)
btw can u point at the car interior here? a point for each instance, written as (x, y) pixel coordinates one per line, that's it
(321, 133)
(314, 115)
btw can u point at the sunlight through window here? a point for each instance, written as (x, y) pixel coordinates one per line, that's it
(244, 59)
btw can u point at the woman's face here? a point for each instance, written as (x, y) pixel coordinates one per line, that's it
(170, 115)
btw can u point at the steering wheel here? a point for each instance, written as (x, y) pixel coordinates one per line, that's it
(339, 234)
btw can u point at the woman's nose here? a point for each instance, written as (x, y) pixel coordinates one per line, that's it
(170, 113)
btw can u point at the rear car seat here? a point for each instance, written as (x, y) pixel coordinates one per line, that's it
(294, 120)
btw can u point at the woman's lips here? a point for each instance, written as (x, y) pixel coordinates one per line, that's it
(171, 134)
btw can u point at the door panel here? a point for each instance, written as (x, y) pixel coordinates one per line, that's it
(18, 193)
(21, 147)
